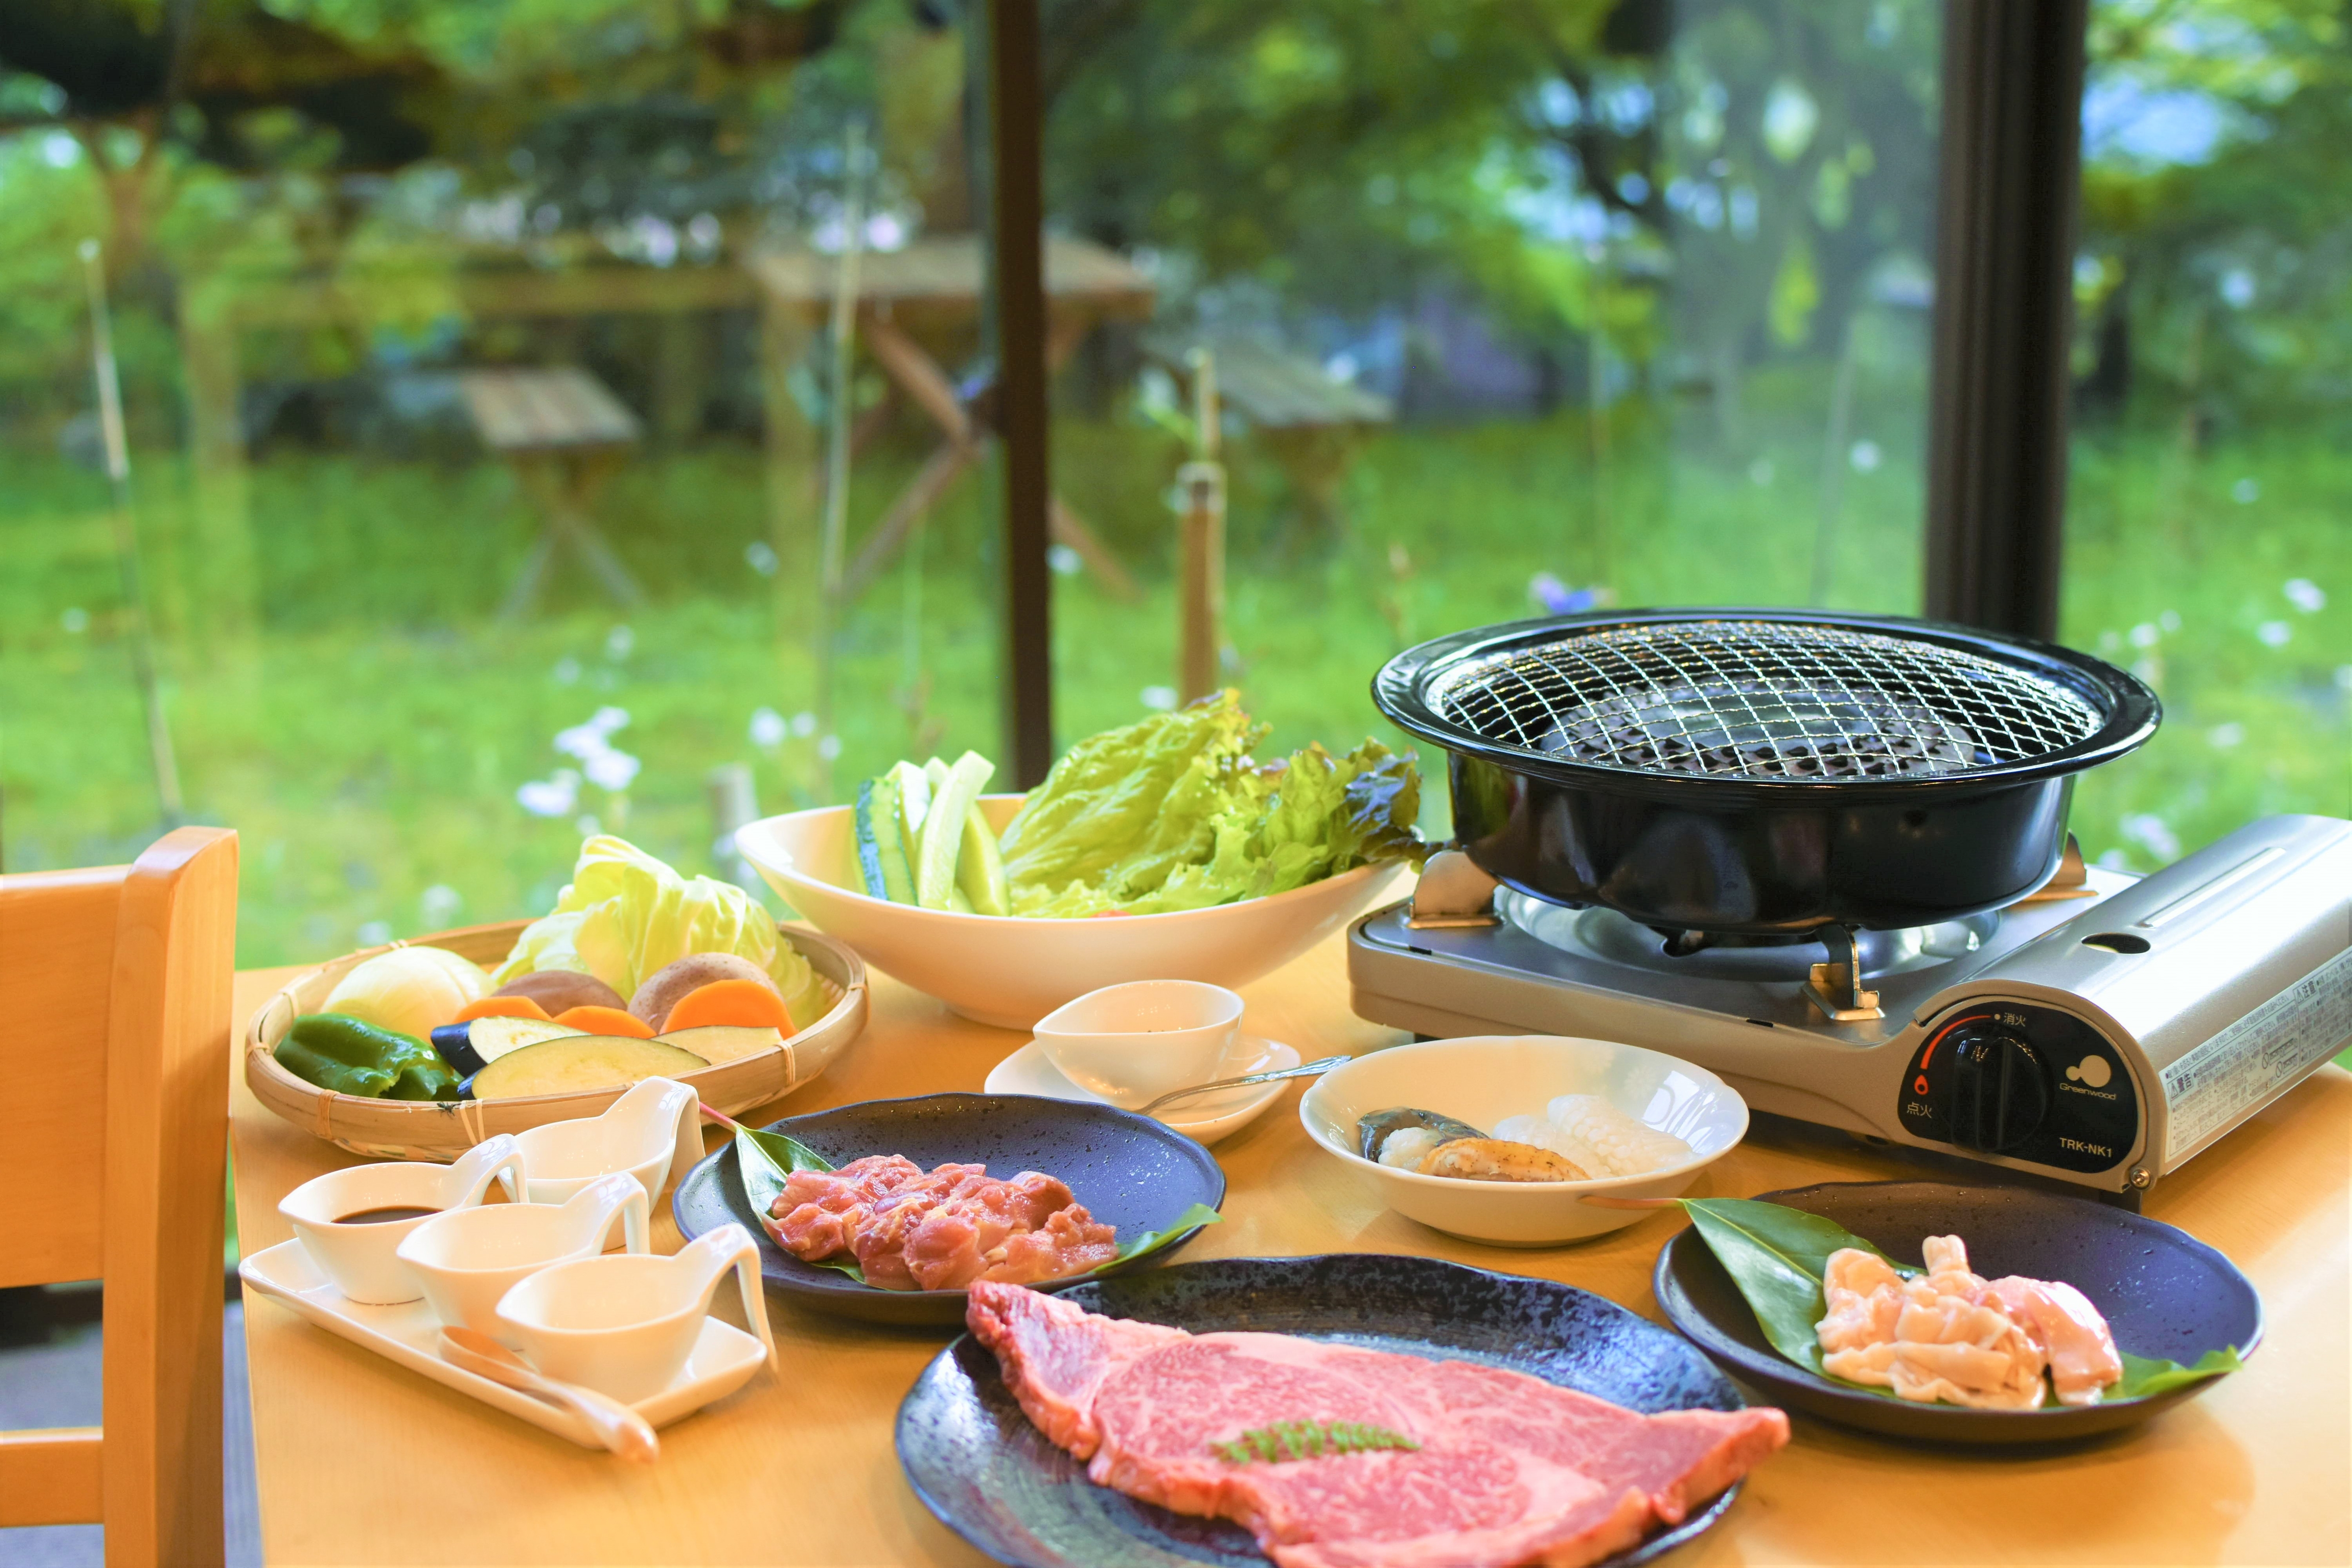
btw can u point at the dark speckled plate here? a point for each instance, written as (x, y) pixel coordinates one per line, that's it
(2166, 1295)
(992, 1477)
(1130, 1170)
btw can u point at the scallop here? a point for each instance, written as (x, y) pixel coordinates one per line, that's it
(1373, 1130)
(1499, 1160)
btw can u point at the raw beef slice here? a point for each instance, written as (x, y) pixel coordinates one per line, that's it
(1510, 1469)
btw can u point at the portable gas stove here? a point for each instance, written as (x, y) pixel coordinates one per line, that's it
(1821, 857)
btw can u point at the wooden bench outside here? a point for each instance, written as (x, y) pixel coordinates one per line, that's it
(564, 434)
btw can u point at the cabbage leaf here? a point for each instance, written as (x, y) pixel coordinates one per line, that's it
(626, 914)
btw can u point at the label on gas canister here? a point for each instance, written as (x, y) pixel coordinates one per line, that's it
(2257, 1056)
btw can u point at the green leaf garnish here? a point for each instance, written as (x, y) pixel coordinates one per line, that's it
(1307, 1440)
(766, 1159)
(1777, 1256)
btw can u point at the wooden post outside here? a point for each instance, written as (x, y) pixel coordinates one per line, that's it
(1201, 543)
(1201, 597)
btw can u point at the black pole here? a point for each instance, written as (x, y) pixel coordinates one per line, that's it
(2004, 311)
(1017, 294)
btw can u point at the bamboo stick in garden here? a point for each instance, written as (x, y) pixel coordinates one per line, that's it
(126, 540)
(1200, 543)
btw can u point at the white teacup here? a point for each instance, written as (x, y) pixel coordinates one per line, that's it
(468, 1259)
(625, 1325)
(652, 1131)
(331, 1214)
(1135, 1042)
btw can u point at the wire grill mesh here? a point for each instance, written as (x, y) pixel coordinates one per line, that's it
(1764, 699)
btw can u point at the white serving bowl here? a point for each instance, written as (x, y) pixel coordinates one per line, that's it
(1482, 1079)
(1010, 972)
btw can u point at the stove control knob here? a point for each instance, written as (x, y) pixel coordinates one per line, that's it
(1999, 1092)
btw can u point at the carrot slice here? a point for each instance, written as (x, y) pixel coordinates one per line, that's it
(605, 1021)
(500, 1007)
(738, 1004)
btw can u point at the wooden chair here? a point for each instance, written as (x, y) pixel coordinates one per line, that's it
(113, 1151)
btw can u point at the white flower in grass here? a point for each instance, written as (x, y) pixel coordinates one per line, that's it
(768, 728)
(1159, 698)
(2169, 621)
(803, 725)
(2145, 635)
(2151, 834)
(2224, 736)
(2274, 634)
(550, 797)
(439, 905)
(1065, 561)
(618, 644)
(375, 933)
(612, 770)
(2305, 595)
(2245, 492)
(1865, 456)
(828, 747)
(586, 825)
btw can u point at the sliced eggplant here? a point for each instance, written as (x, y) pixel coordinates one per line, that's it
(579, 1062)
(471, 1047)
(715, 1043)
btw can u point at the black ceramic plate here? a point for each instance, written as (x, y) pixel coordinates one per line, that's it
(2166, 1295)
(1130, 1170)
(992, 1477)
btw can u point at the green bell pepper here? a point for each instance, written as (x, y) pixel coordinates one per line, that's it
(348, 1056)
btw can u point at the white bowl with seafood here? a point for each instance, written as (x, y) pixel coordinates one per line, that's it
(1011, 970)
(1485, 1081)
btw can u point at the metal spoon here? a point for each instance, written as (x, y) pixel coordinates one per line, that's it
(620, 1428)
(1305, 1069)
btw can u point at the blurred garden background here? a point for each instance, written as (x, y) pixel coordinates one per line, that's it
(1514, 308)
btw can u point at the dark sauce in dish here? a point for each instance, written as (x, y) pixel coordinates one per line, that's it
(389, 1214)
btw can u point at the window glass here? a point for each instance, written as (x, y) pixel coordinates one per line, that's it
(1510, 309)
(481, 399)
(2206, 541)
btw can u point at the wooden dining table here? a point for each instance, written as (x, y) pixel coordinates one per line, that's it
(362, 1462)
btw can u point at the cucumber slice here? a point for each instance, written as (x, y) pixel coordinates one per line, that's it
(469, 1047)
(716, 1043)
(980, 868)
(580, 1061)
(914, 805)
(943, 828)
(882, 842)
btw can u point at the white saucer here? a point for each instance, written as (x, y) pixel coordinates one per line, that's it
(723, 1360)
(1204, 1120)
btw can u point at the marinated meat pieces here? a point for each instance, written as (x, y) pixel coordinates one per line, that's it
(1508, 1468)
(939, 1230)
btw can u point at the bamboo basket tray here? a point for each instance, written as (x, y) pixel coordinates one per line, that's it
(434, 1130)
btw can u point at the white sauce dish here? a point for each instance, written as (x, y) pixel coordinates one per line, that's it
(353, 1220)
(650, 1131)
(625, 1324)
(468, 1259)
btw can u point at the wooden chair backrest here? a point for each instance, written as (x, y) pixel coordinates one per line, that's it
(113, 1149)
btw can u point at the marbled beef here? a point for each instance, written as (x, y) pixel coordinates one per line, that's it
(1509, 1469)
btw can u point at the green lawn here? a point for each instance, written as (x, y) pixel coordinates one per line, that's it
(368, 736)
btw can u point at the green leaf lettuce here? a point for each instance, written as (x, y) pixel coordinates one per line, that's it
(1173, 814)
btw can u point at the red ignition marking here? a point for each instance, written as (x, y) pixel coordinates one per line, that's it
(1929, 1055)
